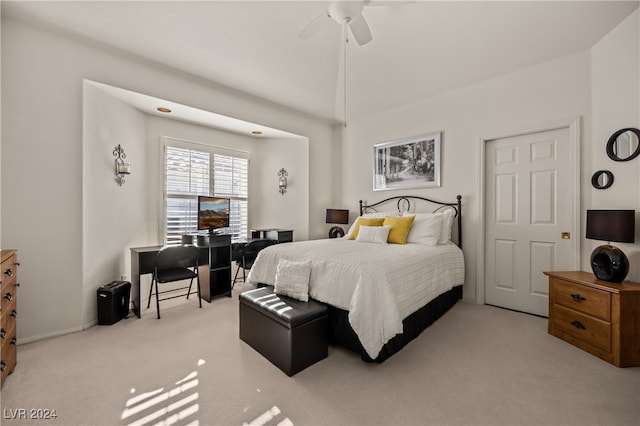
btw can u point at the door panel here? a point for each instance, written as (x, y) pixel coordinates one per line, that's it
(528, 205)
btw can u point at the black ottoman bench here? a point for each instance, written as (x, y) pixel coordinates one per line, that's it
(290, 333)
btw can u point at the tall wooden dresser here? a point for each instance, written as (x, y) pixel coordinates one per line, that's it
(9, 312)
(599, 317)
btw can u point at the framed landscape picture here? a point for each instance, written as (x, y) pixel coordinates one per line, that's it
(407, 163)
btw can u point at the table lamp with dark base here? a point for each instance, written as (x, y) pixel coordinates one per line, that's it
(608, 262)
(338, 217)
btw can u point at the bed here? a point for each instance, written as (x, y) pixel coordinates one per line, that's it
(380, 296)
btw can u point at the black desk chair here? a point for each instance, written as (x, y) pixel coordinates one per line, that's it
(175, 263)
(249, 253)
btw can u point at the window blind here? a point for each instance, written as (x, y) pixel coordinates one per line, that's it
(231, 179)
(192, 172)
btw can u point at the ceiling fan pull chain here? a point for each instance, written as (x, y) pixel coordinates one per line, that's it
(346, 40)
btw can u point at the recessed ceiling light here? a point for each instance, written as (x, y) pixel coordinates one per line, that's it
(162, 109)
(256, 132)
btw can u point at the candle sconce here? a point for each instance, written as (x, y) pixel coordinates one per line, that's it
(282, 181)
(122, 168)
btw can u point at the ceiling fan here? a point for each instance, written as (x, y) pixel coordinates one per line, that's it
(348, 13)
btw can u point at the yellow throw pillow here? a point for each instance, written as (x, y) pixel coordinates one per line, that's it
(400, 227)
(373, 221)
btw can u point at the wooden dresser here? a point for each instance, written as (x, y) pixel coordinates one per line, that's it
(9, 312)
(599, 317)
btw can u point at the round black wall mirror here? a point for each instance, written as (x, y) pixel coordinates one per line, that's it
(624, 145)
(602, 179)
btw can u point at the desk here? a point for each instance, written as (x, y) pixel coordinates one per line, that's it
(214, 260)
(280, 235)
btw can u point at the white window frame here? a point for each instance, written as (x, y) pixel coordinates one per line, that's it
(211, 150)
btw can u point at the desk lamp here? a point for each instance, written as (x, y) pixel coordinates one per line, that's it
(608, 262)
(337, 217)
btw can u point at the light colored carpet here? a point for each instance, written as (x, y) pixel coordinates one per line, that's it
(478, 365)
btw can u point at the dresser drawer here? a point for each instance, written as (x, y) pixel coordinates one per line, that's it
(9, 271)
(596, 303)
(586, 328)
(8, 339)
(8, 287)
(8, 301)
(8, 312)
(7, 362)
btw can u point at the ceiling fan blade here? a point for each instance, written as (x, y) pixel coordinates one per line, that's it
(314, 26)
(360, 30)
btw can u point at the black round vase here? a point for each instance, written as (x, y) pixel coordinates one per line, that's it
(609, 263)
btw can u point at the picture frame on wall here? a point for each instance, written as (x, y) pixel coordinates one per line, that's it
(412, 162)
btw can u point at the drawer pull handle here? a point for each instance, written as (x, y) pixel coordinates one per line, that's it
(9, 297)
(14, 313)
(14, 341)
(578, 325)
(3, 333)
(2, 365)
(577, 298)
(8, 272)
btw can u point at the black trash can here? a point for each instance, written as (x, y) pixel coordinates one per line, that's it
(113, 302)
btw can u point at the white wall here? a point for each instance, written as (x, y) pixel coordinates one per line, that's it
(0, 132)
(42, 152)
(269, 208)
(557, 90)
(113, 216)
(615, 93)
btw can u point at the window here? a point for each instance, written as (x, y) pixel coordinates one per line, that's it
(192, 170)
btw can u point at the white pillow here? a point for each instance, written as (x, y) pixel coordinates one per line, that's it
(382, 214)
(446, 216)
(373, 234)
(426, 229)
(447, 223)
(292, 279)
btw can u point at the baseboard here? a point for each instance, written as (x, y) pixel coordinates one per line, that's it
(32, 339)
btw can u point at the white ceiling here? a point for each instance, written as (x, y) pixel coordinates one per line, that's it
(419, 48)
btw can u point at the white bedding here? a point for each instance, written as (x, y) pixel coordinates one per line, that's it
(379, 284)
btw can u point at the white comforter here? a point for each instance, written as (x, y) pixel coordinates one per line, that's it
(379, 284)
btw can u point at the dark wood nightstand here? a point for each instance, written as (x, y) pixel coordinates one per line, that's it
(599, 317)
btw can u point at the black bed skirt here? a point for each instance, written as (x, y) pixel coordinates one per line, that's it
(342, 334)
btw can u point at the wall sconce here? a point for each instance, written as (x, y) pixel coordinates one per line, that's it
(282, 180)
(122, 167)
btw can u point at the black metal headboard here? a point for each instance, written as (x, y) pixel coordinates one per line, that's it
(456, 206)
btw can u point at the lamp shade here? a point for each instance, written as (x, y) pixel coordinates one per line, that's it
(337, 216)
(611, 225)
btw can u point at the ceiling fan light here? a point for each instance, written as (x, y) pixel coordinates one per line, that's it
(345, 10)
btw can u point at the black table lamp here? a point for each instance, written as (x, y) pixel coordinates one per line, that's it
(339, 217)
(608, 262)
